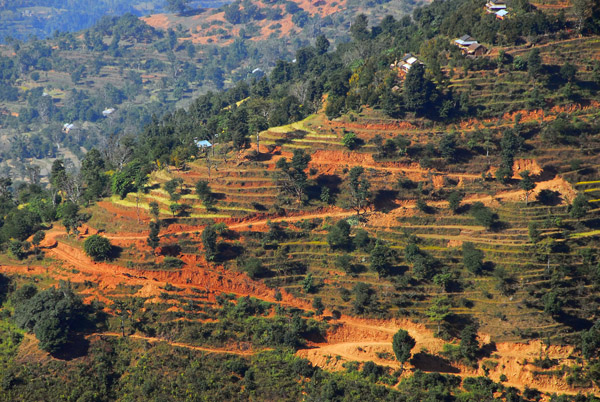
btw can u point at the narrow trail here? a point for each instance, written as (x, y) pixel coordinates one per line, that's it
(241, 225)
(181, 345)
(214, 281)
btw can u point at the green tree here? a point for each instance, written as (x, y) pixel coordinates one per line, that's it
(308, 284)
(381, 259)
(205, 194)
(291, 176)
(209, 241)
(534, 63)
(317, 304)
(469, 345)
(97, 247)
(454, 200)
(322, 44)
(51, 333)
(546, 247)
(345, 263)
(177, 6)
(71, 218)
(365, 299)
(133, 177)
(17, 249)
(447, 147)
(153, 240)
(38, 237)
(154, 210)
(402, 344)
(171, 187)
(439, 311)
(534, 232)
(175, 208)
(238, 128)
(419, 92)
(590, 342)
(122, 183)
(568, 72)
(19, 224)
(93, 174)
(472, 258)
(53, 315)
(254, 268)
(526, 184)
(483, 215)
(350, 140)
(579, 206)
(58, 175)
(444, 280)
(552, 303)
(339, 236)
(358, 194)
(359, 29)
(423, 264)
(362, 240)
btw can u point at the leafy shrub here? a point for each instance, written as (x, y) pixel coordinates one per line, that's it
(172, 262)
(51, 315)
(339, 236)
(472, 258)
(351, 141)
(483, 215)
(254, 268)
(97, 247)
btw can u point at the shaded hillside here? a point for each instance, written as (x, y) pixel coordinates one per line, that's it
(41, 18)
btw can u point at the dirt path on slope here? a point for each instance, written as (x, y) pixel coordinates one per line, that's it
(339, 159)
(329, 213)
(212, 279)
(182, 345)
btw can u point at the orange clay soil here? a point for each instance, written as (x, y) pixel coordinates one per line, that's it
(363, 340)
(329, 161)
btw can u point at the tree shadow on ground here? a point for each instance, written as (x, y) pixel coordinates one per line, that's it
(78, 346)
(431, 363)
(228, 251)
(574, 322)
(115, 252)
(384, 200)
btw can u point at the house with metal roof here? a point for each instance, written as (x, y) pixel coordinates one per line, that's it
(493, 6)
(464, 41)
(501, 14)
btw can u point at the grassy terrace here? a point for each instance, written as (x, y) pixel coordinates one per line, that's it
(245, 187)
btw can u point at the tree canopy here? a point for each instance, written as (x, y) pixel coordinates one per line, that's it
(402, 344)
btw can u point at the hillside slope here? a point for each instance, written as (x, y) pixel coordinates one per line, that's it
(348, 228)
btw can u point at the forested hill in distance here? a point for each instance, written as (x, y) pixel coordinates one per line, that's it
(41, 18)
(294, 21)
